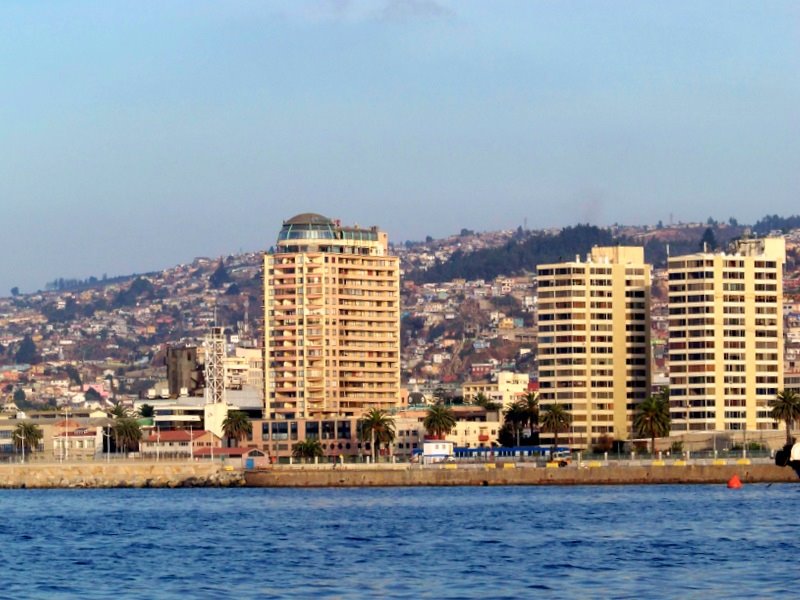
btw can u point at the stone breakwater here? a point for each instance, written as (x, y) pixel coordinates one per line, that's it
(118, 475)
(500, 474)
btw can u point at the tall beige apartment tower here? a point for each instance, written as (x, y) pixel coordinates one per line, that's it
(331, 321)
(726, 336)
(594, 340)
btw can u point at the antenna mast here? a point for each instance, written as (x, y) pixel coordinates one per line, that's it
(215, 355)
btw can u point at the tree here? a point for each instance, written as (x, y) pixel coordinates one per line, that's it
(29, 434)
(127, 433)
(139, 288)
(220, 276)
(19, 397)
(92, 395)
(27, 352)
(237, 426)
(73, 374)
(439, 421)
(516, 256)
(709, 241)
(484, 402)
(307, 449)
(506, 436)
(146, 411)
(377, 427)
(15, 291)
(530, 403)
(118, 411)
(439, 395)
(786, 407)
(555, 419)
(651, 418)
(516, 417)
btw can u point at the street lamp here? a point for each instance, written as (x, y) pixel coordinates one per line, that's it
(66, 432)
(22, 438)
(108, 442)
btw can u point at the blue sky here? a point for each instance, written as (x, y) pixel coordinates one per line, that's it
(137, 135)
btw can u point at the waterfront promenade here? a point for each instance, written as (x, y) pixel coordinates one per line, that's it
(118, 474)
(510, 473)
(172, 474)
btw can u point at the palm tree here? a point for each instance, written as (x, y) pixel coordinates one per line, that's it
(485, 403)
(27, 434)
(651, 418)
(516, 416)
(237, 426)
(377, 427)
(118, 411)
(311, 448)
(146, 411)
(555, 419)
(127, 433)
(439, 421)
(530, 402)
(786, 407)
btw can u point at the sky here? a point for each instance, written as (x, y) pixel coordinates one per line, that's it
(135, 136)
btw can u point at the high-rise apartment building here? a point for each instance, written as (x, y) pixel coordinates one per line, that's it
(726, 336)
(331, 321)
(594, 340)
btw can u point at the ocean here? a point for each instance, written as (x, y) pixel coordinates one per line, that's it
(479, 542)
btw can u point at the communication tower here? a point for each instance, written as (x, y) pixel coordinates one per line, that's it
(215, 355)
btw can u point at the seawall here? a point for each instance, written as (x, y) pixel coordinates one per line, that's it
(509, 474)
(118, 475)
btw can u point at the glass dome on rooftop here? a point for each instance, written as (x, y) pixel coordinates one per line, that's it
(307, 226)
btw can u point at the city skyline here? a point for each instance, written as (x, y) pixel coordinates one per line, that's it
(137, 139)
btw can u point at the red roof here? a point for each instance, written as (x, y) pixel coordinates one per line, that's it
(176, 435)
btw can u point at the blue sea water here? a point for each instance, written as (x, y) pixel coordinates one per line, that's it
(478, 542)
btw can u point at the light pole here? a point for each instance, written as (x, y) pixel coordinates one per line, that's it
(22, 438)
(108, 442)
(66, 431)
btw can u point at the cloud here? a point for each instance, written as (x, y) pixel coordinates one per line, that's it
(405, 10)
(338, 10)
(362, 11)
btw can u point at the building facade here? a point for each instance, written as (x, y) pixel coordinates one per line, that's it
(594, 340)
(474, 428)
(507, 389)
(726, 337)
(331, 321)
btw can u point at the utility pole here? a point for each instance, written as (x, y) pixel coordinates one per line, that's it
(22, 438)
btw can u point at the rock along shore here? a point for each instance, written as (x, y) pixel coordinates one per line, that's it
(118, 475)
(510, 474)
